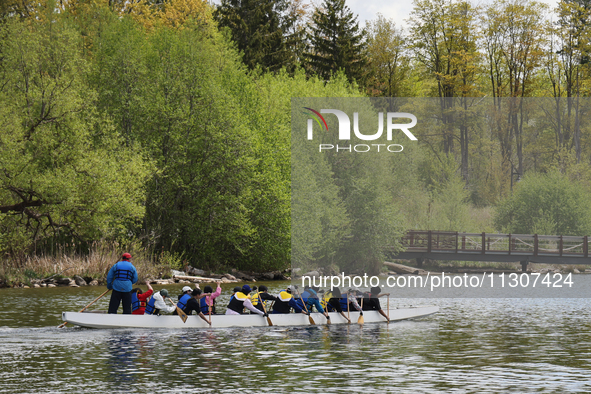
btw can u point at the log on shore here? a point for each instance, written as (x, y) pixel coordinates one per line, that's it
(404, 269)
(196, 278)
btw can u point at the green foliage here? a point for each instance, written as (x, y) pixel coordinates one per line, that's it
(171, 261)
(546, 204)
(63, 173)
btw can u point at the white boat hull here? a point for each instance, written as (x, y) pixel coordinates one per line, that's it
(102, 320)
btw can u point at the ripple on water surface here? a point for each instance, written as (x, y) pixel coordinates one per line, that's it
(482, 345)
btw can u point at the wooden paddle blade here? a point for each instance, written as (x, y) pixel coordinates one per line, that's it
(311, 320)
(269, 321)
(182, 314)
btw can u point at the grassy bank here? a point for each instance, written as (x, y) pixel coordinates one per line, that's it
(94, 264)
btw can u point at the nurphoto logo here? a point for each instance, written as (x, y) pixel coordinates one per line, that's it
(345, 130)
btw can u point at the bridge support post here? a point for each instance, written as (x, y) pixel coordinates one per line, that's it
(420, 262)
(523, 266)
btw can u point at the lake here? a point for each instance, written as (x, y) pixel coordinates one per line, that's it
(470, 346)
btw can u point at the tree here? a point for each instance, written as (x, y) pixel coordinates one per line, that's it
(259, 28)
(567, 70)
(336, 43)
(64, 174)
(444, 41)
(515, 34)
(549, 204)
(388, 60)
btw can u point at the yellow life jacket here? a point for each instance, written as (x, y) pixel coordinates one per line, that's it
(255, 298)
(325, 299)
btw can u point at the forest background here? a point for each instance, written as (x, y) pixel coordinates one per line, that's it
(162, 128)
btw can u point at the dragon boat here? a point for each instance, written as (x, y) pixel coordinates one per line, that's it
(103, 320)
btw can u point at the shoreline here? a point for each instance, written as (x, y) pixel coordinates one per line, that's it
(177, 277)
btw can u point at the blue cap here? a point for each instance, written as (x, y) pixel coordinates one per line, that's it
(246, 289)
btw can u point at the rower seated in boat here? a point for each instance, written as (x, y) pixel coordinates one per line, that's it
(312, 301)
(335, 302)
(194, 304)
(139, 299)
(286, 301)
(241, 300)
(371, 301)
(208, 301)
(157, 304)
(262, 296)
(184, 298)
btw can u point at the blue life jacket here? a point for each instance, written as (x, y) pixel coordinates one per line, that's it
(305, 295)
(123, 273)
(150, 310)
(204, 307)
(135, 302)
(344, 301)
(183, 301)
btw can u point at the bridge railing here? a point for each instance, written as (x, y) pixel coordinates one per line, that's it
(483, 243)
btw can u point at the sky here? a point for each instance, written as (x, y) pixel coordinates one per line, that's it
(398, 10)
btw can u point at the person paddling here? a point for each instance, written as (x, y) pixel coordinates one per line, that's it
(120, 279)
(183, 298)
(285, 301)
(157, 304)
(194, 304)
(372, 302)
(262, 296)
(240, 301)
(139, 299)
(313, 301)
(335, 302)
(208, 301)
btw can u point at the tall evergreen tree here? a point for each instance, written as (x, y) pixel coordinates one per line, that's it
(258, 28)
(336, 42)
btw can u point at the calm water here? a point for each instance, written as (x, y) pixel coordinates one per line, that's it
(471, 346)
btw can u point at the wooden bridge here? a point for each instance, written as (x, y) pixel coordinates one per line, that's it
(523, 248)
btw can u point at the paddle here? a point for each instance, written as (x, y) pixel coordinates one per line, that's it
(83, 309)
(348, 315)
(181, 313)
(265, 310)
(209, 309)
(360, 320)
(308, 313)
(388, 308)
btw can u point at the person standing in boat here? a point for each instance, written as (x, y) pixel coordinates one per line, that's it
(240, 301)
(209, 299)
(158, 304)
(262, 296)
(120, 280)
(194, 304)
(286, 301)
(371, 301)
(139, 299)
